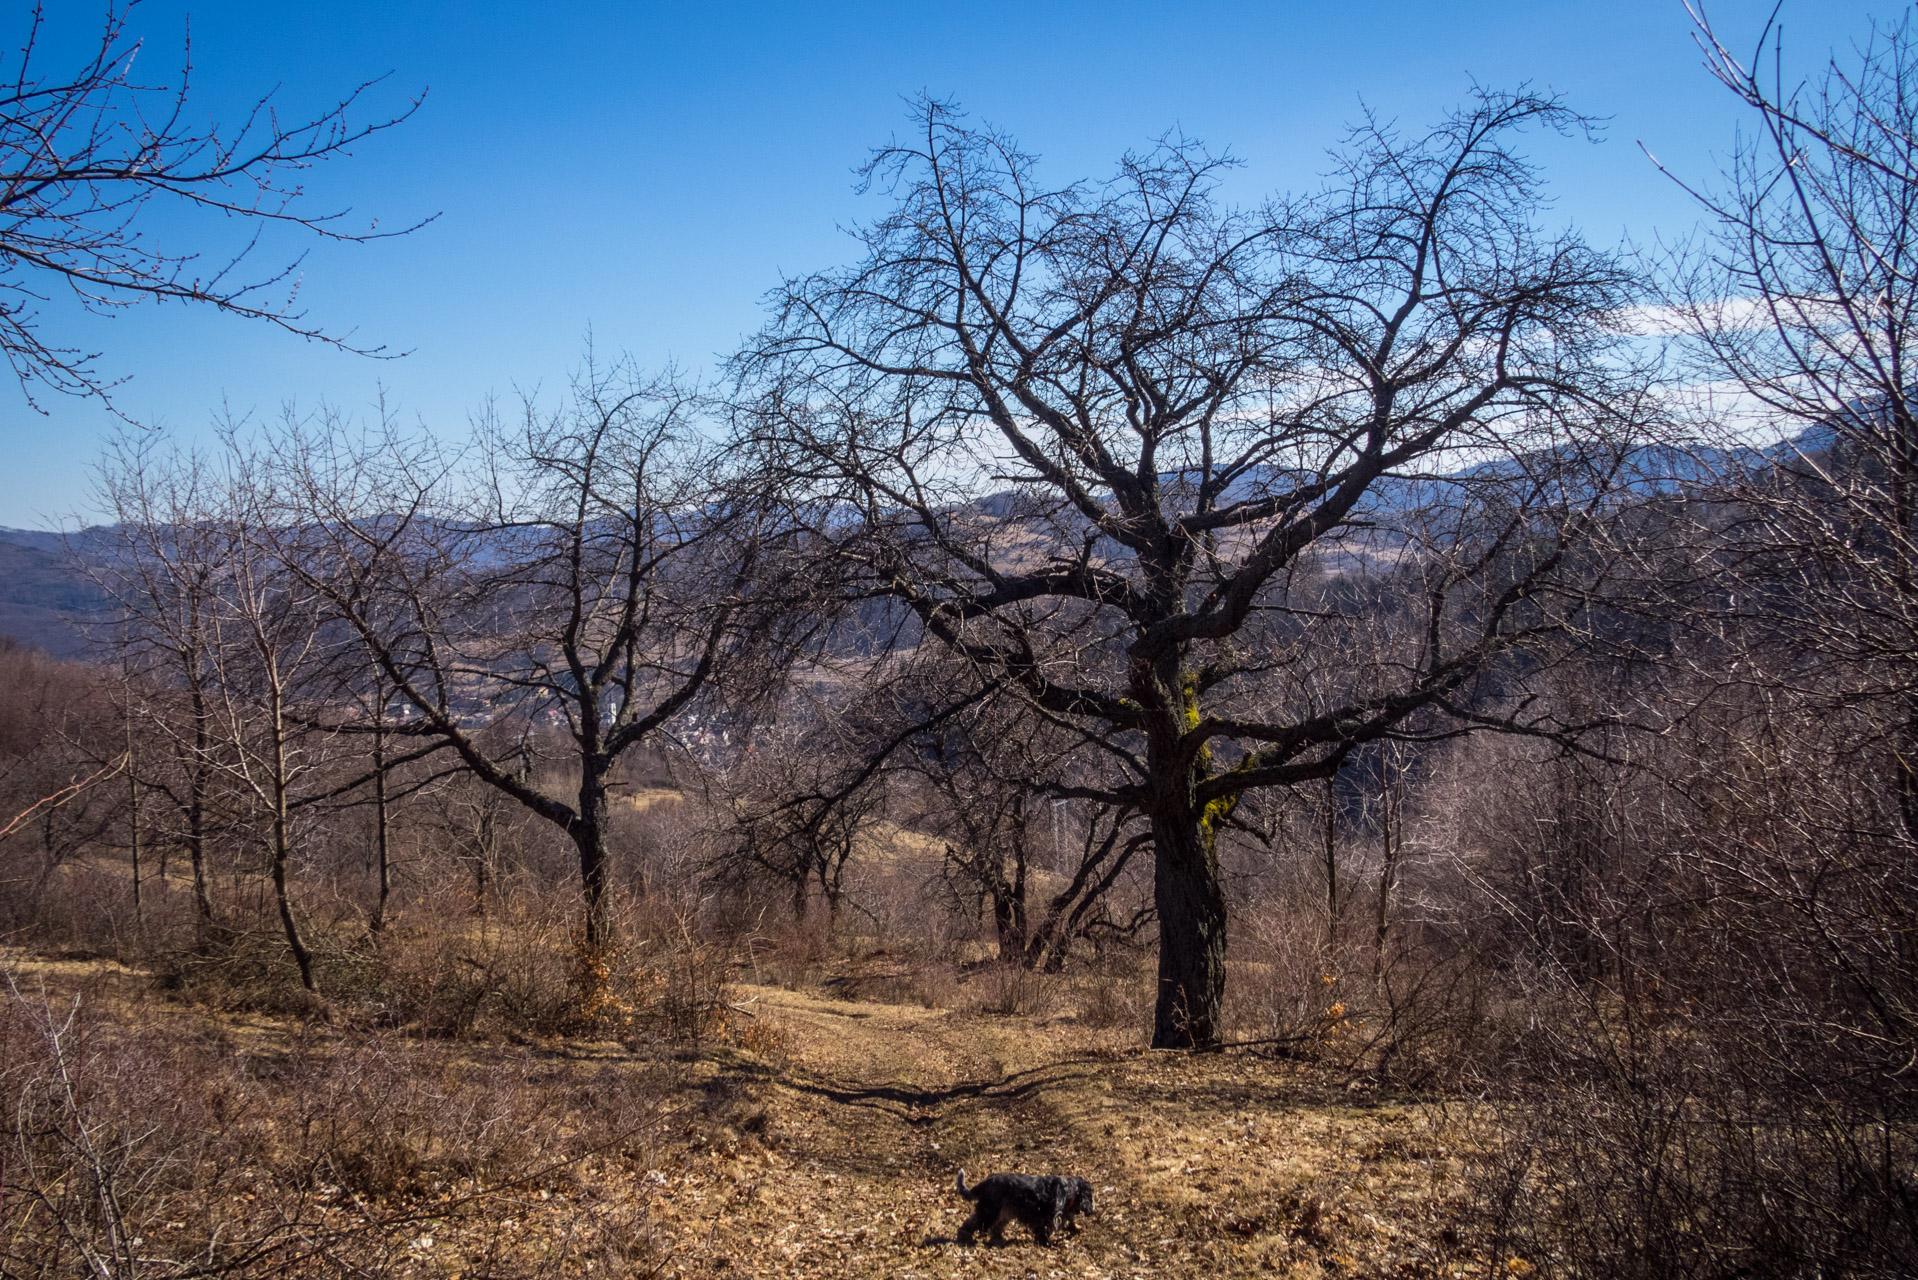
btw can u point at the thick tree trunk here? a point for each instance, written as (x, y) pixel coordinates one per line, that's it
(1191, 903)
(589, 837)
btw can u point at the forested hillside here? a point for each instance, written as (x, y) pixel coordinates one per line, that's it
(46, 599)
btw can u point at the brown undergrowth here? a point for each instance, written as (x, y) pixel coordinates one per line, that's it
(145, 1137)
(245, 1144)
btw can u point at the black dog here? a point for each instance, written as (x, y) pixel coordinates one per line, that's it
(1043, 1203)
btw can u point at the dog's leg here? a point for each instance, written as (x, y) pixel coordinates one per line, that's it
(1053, 1212)
(1055, 1219)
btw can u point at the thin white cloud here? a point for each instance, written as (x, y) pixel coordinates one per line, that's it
(1723, 315)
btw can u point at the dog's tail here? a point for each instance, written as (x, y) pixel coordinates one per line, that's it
(964, 1190)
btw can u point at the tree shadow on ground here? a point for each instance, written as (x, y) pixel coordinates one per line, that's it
(920, 1106)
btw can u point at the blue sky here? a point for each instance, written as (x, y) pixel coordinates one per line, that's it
(648, 170)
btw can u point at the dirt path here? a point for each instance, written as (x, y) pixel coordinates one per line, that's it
(839, 1160)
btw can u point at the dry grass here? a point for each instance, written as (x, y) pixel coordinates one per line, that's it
(640, 799)
(146, 1137)
(842, 1164)
(825, 1146)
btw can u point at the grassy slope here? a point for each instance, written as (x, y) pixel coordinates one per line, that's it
(833, 1153)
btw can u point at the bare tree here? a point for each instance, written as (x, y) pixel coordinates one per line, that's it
(481, 828)
(596, 579)
(1210, 434)
(1804, 301)
(1729, 924)
(804, 802)
(160, 573)
(234, 647)
(270, 656)
(88, 151)
(989, 784)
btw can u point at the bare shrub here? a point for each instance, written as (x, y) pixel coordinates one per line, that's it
(1648, 1154)
(1113, 994)
(929, 982)
(1284, 975)
(786, 953)
(1426, 1015)
(1013, 990)
(523, 969)
(445, 979)
(1699, 1066)
(82, 907)
(138, 1150)
(235, 969)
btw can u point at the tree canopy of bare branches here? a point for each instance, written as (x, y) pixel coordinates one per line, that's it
(1803, 303)
(87, 148)
(1211, 436)
(587, 575)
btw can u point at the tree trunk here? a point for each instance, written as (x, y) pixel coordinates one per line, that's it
(133, 822)
(1008, 928)
(381, 830)
(301, 956)
(1391, 840)
(196, 859)
(196, 816)
(589, 837)
(1332, 864)
(1191, 903)
(1009, 896)
(484, 837)
(282, 843)
(1904, 763)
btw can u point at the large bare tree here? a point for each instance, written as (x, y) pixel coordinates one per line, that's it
(1210, 437)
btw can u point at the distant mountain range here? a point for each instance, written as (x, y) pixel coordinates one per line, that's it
(48, 601)
(46, 597)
